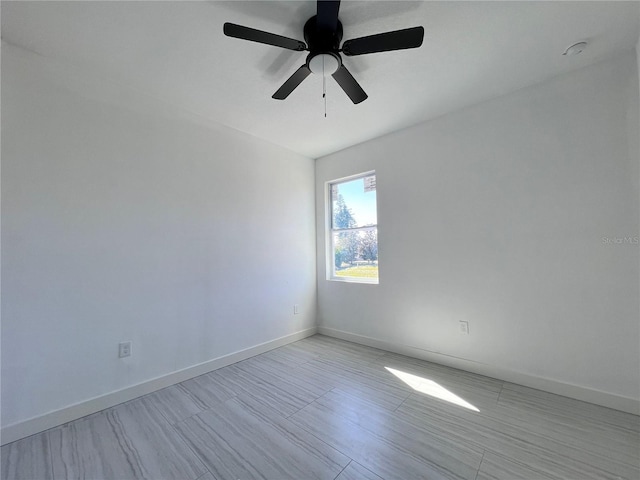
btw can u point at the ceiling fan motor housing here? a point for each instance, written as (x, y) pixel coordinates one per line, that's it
(322, 42)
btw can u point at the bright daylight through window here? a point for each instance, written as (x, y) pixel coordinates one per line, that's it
(353, 246)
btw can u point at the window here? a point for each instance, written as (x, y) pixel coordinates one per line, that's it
(353, 242)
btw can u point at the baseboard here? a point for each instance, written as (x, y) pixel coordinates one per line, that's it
(617, 402)
(38, 424)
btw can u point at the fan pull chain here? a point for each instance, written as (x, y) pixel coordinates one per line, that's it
(324, 89)
(324, 95)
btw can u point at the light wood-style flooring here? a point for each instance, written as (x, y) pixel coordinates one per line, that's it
(328, 409)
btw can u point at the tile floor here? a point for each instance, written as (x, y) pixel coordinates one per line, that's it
(328, 409)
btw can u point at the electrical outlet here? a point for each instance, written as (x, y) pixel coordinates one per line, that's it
(124, 349)
(464, 328)
(296, 309)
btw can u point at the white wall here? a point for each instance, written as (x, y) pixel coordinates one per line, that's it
(496, 215)
(136, 224)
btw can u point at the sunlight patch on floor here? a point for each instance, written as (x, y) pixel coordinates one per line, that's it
(431, 388)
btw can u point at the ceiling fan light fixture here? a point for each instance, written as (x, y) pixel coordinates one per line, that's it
(324, 64)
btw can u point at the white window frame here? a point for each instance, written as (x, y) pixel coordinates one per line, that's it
(330, 262)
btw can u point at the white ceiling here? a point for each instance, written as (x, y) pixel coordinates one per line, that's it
(176, 51)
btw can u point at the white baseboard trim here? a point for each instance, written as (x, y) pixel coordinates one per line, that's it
(38, 424)
(617, 402)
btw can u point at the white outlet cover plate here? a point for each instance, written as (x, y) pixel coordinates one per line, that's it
(124, 349)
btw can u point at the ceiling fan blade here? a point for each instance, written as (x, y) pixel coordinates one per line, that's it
(352, 88)
(327, 18)
(292, 82)
(253, 35)
(384, 42)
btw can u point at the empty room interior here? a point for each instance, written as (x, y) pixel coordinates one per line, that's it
(320, 240)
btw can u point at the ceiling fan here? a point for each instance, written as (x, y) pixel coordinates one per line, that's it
(323, 34)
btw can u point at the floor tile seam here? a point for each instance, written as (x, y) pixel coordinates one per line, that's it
(345, 467)
(247, 371)
(207, 471)
(310, 403)
(519, 462)
(385, 388)
(500, 394)
(365, 380)
(444, 436)
(195, 454)
(279, 414)
(365, 359)
(377, 357)
(339, 390)
(337, 377)
(307, 360)
(543, 404)
(267, 386)
(270, 382)
(297, 383)
(192, 395)
(541, 397)
(197, 401)
(403, 402)
(153, 406)
(592, 447)
(585, 422)
(130, 442)
(305, 406)
(297, 365)
(557, 458)
(340, 363)
(416, 457)
(319, 439)
(626, 464)
(49, 447)
(480, 465)
(200, 412)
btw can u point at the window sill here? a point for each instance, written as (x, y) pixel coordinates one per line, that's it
(370, 281)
